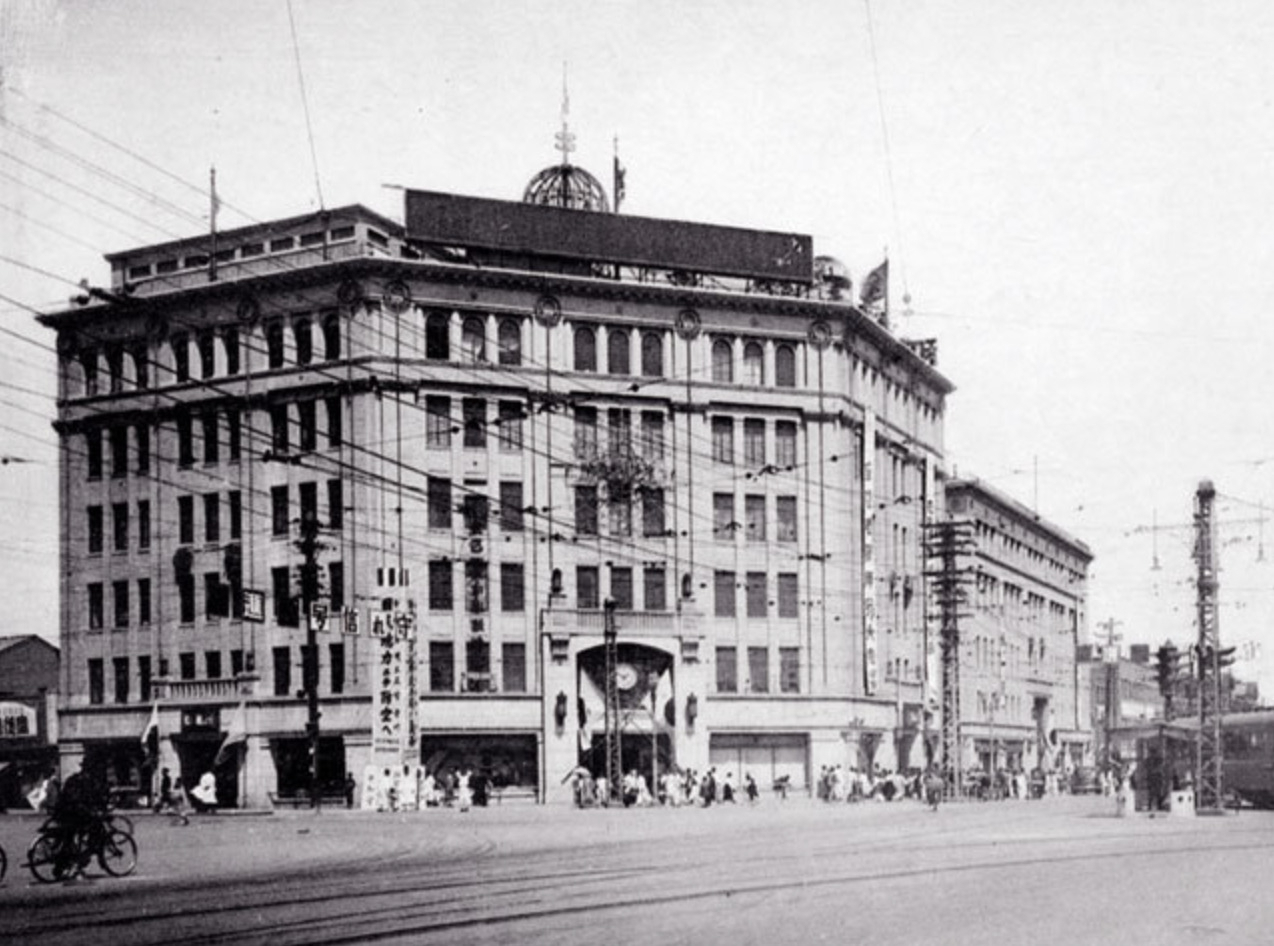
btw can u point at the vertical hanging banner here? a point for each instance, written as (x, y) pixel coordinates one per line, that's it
(930, 513)
(871, 671)
(389, 781)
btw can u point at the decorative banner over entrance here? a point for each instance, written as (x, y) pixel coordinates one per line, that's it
(871, 670)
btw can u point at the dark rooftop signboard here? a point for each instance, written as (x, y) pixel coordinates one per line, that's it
(511, 227)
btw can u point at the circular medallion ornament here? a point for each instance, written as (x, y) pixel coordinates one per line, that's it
(248, 310)
(688, 324)
(350, 292)
(820, 334)
(397, 296)
(548, 311)
(625, 676)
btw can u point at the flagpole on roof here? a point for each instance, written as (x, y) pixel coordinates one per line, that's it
(212, 222)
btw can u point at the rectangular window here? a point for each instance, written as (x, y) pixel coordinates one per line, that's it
(652, 435)
(723, 439)
(585, 433)
(789, 670)
(279, 513)
(119, 590)
(95, 606)
(307, 494)
(336, 666)
(785, 514)
(96, 681)
(93, 450)
(335, 423)
(442, 667)
(95, 530)
(514, 668)
(282, 671)
(758, 670)
(186, 520)
(120, 666)
(652, 512)
(756, 588)
(754, 443)
(143, 448)
(439, 502)
(785, 444)
(186, 598)
(587, 587)
(236, 662)
(789, 595)
(475, 509)
(286, 612)
(438, 423)
(279, 428)
(727, 670)
(143, 524)
(212, 664)
(235, 501)
(475, 422)
(475, 586)
(723, 594)
(185, 440)
(621, 588)
(336, 587)
(512, 586)
(511, 507)
(211, 446)
(335, 505)
(143, 678)
(477, 663)
(207, 345)
(510, 426)
(119, 452)
(141, 363)
(723, 524)
(586, 510)
(234, 435)
(212, 517)
(186, 663)
(621, 517)
(654, 583)
(181, 351)
(143, 601)
(619, 430)
(308, 423)
(441, 586)
(754, 518)
(213, 598)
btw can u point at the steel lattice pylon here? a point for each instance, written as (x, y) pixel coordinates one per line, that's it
(945, 543)
(1209, 792)
(613, 755)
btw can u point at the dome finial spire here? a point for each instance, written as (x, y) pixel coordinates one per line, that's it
(565, 140)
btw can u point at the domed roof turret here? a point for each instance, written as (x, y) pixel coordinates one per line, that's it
(565, 185)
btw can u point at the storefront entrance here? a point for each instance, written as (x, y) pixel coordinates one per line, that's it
(767, 757)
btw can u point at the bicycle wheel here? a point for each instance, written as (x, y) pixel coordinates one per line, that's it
(43, 860)
(118, 820)
(4, 863)
(118, 853)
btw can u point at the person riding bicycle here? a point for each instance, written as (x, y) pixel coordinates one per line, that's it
(81, 809)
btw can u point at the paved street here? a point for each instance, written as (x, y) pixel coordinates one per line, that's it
(1059, 871)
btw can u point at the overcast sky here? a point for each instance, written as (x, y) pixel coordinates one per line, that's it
(1077, 198)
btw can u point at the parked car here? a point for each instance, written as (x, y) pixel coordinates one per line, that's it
(1084, 781)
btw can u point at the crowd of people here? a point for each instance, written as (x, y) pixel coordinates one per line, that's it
(674, 788)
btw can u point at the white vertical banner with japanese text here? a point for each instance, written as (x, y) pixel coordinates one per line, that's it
(391, 780)
(871, 671)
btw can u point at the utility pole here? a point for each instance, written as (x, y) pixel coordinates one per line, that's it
(611, 637)
(1110, 664)
(946, 542)
(308, 545)
(1209, 796)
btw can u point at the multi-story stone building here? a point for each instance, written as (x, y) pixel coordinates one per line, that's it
(502, 414)
(1024, 698)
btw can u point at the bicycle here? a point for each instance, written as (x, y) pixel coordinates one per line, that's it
(58, 854)
(4, 863)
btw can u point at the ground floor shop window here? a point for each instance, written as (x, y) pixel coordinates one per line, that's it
(292, 765)
(507, 760)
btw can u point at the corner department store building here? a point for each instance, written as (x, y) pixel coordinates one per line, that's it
(502, 414)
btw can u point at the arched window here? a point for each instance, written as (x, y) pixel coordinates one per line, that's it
(437, 336)
(141, 367)
(88, 362)
(652, 356)
(473, 340)
(207, 343)
(181, 357)
(722, 361)
(274, 344)
(585, 349)
(332, 337)
(753, 364)
(618, 360)
(304, 341)
(510, 341)
(785, 366)
(115, 368)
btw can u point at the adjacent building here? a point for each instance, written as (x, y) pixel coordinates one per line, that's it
(28, 715)
(1024, 699)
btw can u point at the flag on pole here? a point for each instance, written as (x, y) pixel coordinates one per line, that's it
(875, 290)
(236, 733)
(152, 724)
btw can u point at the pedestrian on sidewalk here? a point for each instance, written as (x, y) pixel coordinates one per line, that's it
(350, 785)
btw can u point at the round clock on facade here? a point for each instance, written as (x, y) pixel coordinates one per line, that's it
(625, 676)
